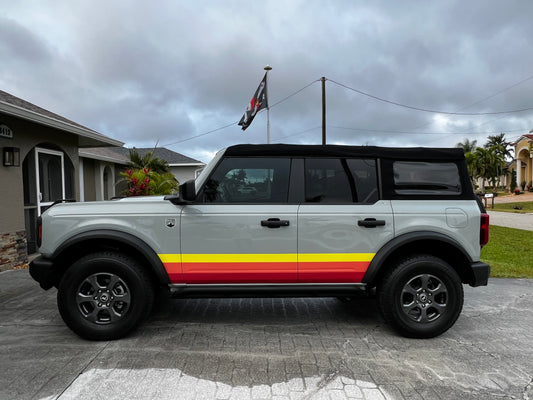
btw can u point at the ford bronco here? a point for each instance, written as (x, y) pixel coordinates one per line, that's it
(276, 220)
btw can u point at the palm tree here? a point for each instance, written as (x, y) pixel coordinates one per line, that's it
(499, 144)
(147, 161)
(488, 165)
(467, 145)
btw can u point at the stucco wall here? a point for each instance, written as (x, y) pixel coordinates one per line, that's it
(183, 174)
(524, 163)
(26, 136)
(88, 181)
(11, 195)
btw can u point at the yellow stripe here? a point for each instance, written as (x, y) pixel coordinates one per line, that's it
(238, 258)
(255, 258)
(170, 258)
(335, 257)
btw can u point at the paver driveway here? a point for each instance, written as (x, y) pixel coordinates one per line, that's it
(312, 348)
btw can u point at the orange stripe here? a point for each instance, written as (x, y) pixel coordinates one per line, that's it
(174, 272)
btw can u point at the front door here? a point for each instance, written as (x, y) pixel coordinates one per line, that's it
(242, 230)
(50, 177)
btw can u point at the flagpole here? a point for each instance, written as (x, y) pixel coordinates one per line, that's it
(267, 68)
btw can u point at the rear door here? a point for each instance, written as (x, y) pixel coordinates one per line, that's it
(242, 230)
(342, 223)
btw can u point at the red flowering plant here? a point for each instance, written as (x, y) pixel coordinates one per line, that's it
(145, 182)
(148, 175)
(138, 182)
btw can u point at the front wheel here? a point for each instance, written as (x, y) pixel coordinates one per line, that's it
(103, 296)
(421, 297)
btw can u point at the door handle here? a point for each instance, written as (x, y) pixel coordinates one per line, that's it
(371, 222)
(274, 223)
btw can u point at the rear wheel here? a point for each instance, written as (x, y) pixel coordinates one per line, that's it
(103, 296)
(421, 296)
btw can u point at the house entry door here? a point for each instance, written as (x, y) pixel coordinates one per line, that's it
(50, 168)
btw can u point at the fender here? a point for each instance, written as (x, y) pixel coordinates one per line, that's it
(125, 238)
(382, 255)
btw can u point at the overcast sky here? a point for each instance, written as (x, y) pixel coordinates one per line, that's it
(167, 71)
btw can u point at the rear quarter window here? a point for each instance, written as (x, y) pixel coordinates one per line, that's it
(426, 178)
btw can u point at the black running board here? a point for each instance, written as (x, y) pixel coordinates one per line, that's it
(267, 290)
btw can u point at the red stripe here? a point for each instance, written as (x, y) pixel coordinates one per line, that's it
(275, 272)
(174, 272)
(267, 272)
(332, 272)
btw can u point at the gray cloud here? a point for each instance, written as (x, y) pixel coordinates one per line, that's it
(141, 73)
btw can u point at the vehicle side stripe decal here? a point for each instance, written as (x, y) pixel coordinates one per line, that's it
(271, 258)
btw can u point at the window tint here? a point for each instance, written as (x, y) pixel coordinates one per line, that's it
(249, 180)
(423, 178)
(326, 181)
(366, 182)
(340, 181)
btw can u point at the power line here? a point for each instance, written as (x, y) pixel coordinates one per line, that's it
(299, 133)
(426, 109)
(202, 134)
(421, 133)
(498, 93)
(295, 93)
(486, 98)
(385, 101)
(234, 123)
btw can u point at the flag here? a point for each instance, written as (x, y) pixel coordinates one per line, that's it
(258, 102)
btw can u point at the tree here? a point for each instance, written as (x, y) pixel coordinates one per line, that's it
(148, 161)
(467, 145)
(500, 145)
(488, 164)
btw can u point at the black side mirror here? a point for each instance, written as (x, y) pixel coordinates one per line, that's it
(187, 194)
(188, 191)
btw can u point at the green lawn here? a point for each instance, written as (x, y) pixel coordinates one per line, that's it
(524, 207)
(509, 253)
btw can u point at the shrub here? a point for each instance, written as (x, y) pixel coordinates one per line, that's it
(145, 182)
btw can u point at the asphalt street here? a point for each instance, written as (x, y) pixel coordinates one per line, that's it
(309, 348)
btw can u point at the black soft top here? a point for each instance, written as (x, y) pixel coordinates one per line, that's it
(398, 153)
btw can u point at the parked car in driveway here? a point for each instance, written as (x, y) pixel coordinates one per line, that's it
(320, 221)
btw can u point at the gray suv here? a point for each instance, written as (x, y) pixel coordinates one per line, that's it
(277, 220)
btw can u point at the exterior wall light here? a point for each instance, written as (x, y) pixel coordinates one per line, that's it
(11, 156)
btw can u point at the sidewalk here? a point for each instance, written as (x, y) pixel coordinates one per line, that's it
(511, 220)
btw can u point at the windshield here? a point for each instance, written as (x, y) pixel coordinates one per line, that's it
(200, 180)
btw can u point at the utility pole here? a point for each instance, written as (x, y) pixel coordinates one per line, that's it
(267, 68)
(323, 80)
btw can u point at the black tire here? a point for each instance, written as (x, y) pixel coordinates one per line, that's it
(103, 296)
(421, 297)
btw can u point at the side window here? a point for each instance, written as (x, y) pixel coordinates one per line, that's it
(366, 182)
(327, 181)
(426, 178)
(249, 180)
